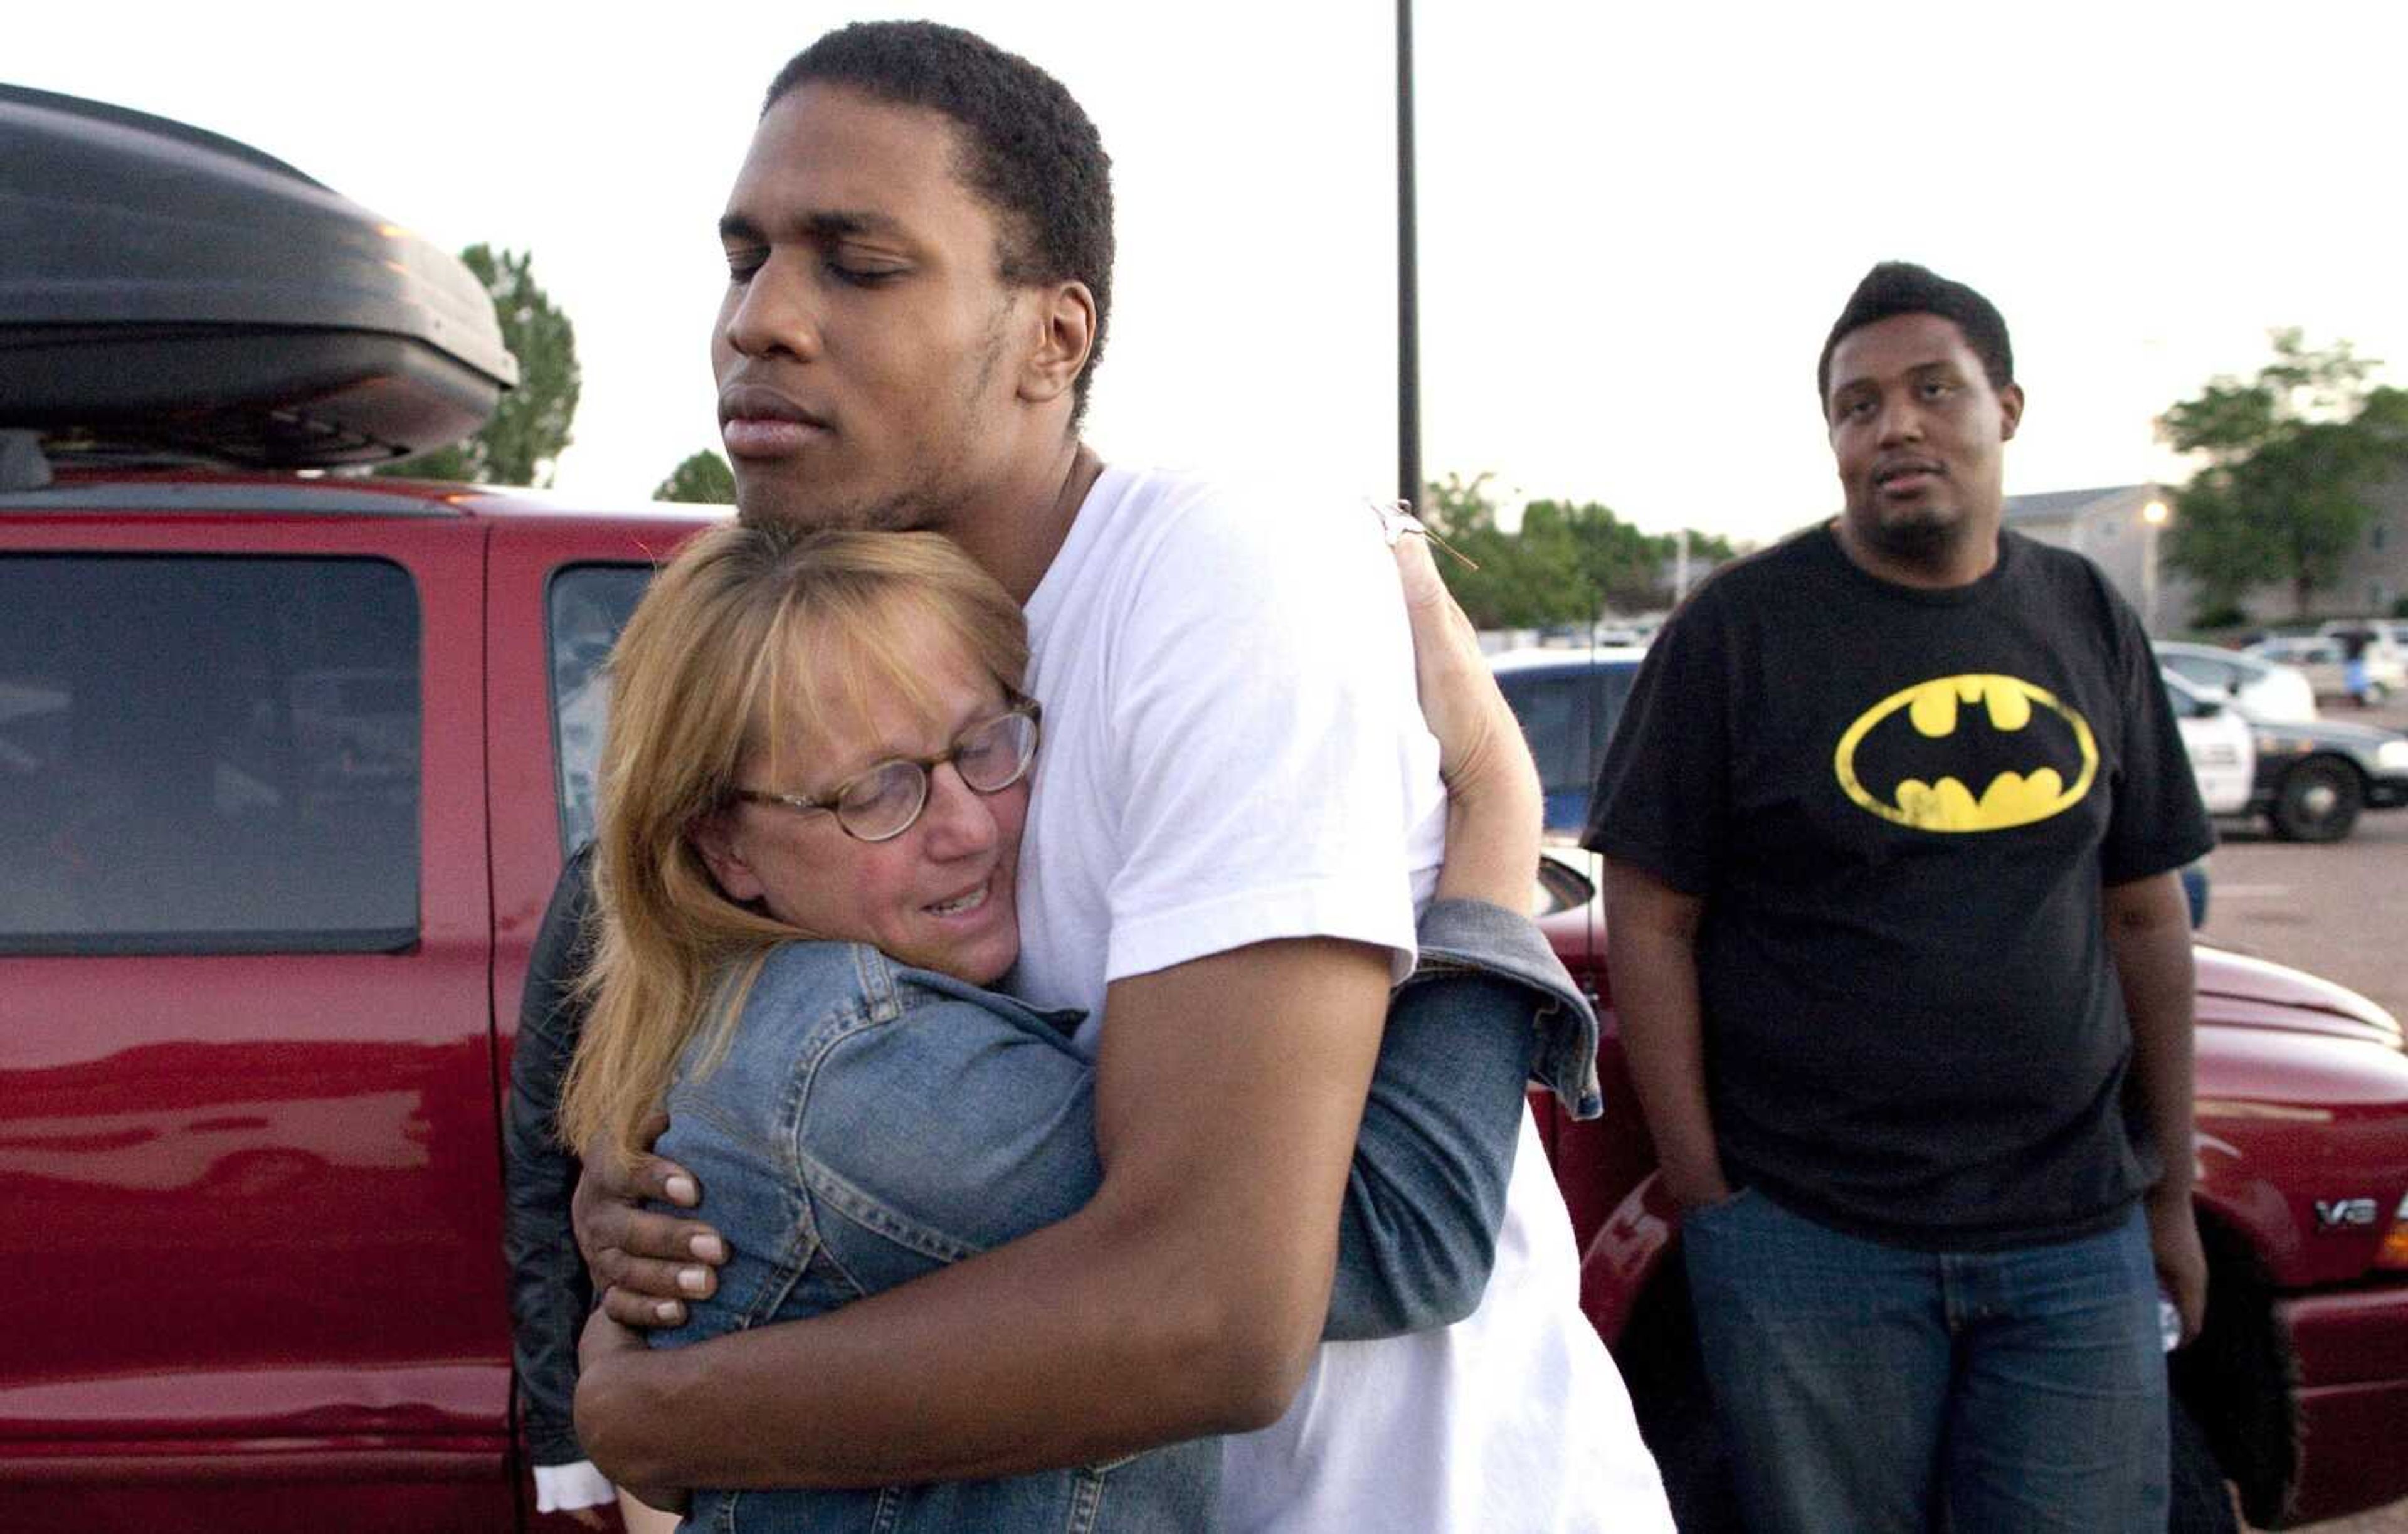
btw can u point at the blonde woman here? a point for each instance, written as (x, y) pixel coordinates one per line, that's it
(817, 769)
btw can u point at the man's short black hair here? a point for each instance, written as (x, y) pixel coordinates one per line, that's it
(1031, 151)
(1901, 287)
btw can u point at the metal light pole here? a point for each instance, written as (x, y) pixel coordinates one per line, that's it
(1409, 363)
(2153, 517)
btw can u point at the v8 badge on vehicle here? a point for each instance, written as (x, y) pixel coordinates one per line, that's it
(2334, 1214)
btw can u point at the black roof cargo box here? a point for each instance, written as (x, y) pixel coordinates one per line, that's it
(164, 290)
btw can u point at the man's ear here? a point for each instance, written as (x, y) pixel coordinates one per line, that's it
(2011, 412)
(715, 837)
(1066, 317)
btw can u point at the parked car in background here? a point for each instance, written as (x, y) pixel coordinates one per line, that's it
(2324, 660)
(1635, 634)
(273, 845)
(1567, 702)
(2314, 779)
(288, 761)
(2392, 631)
(2310, 779)
(2219, 739)
(2268, 689)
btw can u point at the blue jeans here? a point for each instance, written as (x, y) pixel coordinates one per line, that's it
(1868, 1388)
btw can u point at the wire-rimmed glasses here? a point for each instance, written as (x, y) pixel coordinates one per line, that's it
(882, 802)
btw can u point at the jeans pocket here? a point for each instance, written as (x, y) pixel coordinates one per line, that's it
(1728, 1201)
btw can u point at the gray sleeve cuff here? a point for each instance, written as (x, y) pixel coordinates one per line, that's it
(1473, 935)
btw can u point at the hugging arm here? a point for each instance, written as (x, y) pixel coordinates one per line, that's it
(1425, 1191)
(778, 1406)
(1177, 1302)
(1186, 1296)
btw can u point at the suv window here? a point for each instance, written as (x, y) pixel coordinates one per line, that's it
(2211, 675)
(1555, 713)
(2188, 704)
(587, 606)
(1568, 716)
(204, 754)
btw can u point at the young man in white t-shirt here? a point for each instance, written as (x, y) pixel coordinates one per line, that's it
(1234, 806)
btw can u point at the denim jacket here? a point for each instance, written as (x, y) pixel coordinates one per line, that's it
(862, 1124)
(1458, 935)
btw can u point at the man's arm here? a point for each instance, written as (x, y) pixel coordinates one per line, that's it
(1652, 959)
(1185, 1299)
(548, 1295)
(2148, 931)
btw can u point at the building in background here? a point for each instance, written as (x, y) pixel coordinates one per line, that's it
(2115, 526)
(2122, 530)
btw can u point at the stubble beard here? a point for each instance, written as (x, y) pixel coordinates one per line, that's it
(761, 504)
(1931, 537)
(933, 488)
(1921, 535)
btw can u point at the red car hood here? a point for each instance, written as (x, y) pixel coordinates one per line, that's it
(2234, 988)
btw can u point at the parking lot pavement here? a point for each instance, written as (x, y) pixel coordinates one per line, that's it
(2334, 911)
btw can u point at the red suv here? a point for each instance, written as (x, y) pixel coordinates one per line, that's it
(288, 762)
(286, 768)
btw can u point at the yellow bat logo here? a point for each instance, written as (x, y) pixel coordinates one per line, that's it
(1923, 770)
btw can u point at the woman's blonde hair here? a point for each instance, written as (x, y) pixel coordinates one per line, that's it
(731, 654)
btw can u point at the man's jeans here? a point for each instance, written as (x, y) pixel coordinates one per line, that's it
(1869, 1388)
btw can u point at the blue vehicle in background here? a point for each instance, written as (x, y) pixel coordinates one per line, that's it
(1567, 702)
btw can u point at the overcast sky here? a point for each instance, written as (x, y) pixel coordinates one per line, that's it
(1637, 221)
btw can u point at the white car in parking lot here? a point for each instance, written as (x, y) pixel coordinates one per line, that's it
(2322, 657)
(2392, 631)
(2218, 740)
(2266, 689)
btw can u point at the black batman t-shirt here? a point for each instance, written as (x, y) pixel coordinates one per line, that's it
(1899, 807)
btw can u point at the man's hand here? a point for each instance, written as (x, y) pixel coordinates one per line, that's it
(2182, 1262)
(606, 1351)
(603, 1341)
(645, 1265)
(1692, 1189)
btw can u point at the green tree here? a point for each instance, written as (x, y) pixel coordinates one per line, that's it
(703, 480)
(2288, 456)
(1623, 567)
(1567, 563)
(1508, 590)
(522, 444)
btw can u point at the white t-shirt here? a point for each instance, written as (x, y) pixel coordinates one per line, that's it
(1233, 754)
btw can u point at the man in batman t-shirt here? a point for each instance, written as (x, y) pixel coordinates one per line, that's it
(1893, 822)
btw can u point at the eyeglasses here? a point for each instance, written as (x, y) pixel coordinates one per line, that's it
(883, 802)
